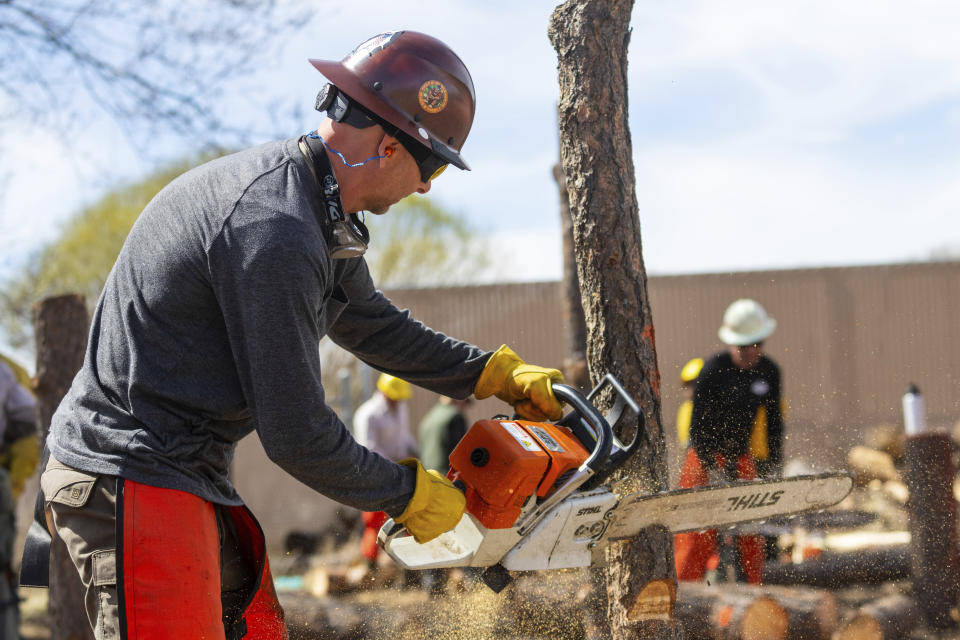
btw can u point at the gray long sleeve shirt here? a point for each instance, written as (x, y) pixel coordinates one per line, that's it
(208, 327)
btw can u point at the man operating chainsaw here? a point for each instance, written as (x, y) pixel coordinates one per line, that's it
(731, 388)
(208, 328)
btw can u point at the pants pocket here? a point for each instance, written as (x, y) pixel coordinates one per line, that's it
(65, 485)
(107, 625)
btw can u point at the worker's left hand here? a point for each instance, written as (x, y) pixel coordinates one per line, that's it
(528, 388)
(436, 506)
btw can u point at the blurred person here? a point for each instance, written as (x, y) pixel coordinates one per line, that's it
(382, 425)
(208, 328)
(440, 430)
(731, 387)
(688, 381)
(19, 453)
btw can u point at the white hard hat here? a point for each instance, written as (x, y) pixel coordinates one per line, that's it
(746, 322)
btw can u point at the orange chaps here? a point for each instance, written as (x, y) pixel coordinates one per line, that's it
(372, 521)
(169, 569)
(693, 551)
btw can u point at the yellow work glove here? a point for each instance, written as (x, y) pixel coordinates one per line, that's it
(436, 505)
(528, 388)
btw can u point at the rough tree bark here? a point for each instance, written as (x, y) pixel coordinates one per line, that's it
(60, 327)
(575, 360)
(591, 38)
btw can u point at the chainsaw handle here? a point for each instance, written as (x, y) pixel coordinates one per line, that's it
(601, 451)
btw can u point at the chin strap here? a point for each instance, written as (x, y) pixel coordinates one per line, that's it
(346, 235)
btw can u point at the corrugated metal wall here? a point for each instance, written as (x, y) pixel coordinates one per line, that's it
(849, 341)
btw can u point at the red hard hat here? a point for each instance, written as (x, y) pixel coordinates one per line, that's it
(414, 82)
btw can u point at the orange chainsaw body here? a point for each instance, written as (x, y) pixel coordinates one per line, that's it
(501, 463)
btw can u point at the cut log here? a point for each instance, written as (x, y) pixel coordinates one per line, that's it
(870, 464)
(733, 610)
(755, 611)
(833, 570)
(332, 581)
(888, 438)
(725, 611)
(889, 618)
(851, 541)
(811, 613)
(896, 491)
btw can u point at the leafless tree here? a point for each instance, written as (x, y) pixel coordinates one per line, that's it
(151, 65)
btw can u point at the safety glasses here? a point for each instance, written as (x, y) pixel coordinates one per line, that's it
(431, 165)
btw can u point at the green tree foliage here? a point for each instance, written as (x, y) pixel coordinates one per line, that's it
(418, 243)
(79, 260)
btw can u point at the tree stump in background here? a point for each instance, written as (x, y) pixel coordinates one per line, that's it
(60, 327)
(932, 522)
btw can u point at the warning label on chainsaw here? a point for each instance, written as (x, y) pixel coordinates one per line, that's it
(545, 438)
(521, 436)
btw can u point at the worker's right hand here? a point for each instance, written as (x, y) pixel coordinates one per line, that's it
(526, 387)
(436, 506)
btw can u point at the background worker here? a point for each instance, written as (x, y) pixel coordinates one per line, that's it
(731, 387)
(208, 328)
(688, 382)
(18, 461)
(382, 425)
(440, 430)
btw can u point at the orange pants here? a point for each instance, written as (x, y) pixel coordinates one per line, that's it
(372, 521)
(692, 551)
(169, 567)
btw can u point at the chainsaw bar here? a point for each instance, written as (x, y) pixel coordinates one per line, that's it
(712, 507)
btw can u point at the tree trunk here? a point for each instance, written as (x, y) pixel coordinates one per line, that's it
(591, 38)
(575, 360)
(60, 327)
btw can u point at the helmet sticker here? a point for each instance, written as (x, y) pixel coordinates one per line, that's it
(374, 44)
(433, 96)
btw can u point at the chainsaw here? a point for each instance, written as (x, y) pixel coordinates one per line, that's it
(536, 498)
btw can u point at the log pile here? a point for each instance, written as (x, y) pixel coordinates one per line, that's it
(887, 618)
(748, 611)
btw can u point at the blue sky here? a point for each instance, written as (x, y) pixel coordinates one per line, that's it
(765, 135)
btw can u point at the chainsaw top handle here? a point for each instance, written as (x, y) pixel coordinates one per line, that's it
(589, 413)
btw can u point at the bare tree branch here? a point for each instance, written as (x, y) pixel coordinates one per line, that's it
(154, 65)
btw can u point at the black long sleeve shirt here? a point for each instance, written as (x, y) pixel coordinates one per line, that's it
(725, 404)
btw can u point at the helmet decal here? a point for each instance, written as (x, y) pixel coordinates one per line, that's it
(433, 96)
(374, 44)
